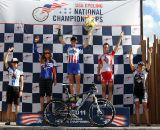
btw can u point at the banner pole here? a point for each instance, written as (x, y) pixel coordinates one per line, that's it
(141, 18)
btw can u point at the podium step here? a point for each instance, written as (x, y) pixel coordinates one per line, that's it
(121, 119)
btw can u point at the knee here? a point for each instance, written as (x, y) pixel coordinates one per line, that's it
(137, 106)
(145, 108)
(9, 106)
(71, 81)
(110, 87)
(77, 81)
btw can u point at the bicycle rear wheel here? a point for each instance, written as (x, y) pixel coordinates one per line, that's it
(103, 117)
(55, 113)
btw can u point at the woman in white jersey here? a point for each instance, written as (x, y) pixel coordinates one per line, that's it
(15, 85)
(140, 93)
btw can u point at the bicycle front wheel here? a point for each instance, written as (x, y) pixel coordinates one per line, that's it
(101, 114)
(55, 113)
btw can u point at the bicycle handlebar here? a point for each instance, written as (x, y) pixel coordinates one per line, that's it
(92, 89)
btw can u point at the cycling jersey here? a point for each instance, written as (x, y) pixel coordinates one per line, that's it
(140, 78)
(72, 53)
(105, 61)
(14, 76)
(47, 69)
(140, 93)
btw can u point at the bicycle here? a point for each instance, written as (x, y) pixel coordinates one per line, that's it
(101, 112)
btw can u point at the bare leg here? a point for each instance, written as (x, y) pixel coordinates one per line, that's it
(71, 82)
(42, 102)
(110, 89)
(48, 99)
(77, 78)
(137, 105)
(145, 109)
(104, 89)
(9, 110)
(17, 110)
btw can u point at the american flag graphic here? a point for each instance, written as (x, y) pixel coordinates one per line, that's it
(49, 7)
(28, 119)
(118, 120)
(73, 55)
(72, 59)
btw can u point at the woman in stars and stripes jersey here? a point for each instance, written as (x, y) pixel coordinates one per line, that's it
(73, 66)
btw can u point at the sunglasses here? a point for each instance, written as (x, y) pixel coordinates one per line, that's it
(47, 53)
(15, 62)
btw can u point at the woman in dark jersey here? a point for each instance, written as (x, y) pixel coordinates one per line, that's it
(140, 93)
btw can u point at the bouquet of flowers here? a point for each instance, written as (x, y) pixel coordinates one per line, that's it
(89, 23)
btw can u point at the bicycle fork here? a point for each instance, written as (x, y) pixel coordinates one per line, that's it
(73, 112)
(99, 112)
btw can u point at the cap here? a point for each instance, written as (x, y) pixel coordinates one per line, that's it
(141, 63)
(73, 38)
(14, 60)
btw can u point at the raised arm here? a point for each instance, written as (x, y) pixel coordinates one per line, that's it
(60, 37)
(131, 60)
(36, 53)
(119, 42)
(6, 57)
(87, 41)
(148, 65)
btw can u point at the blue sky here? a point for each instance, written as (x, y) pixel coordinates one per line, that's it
(151, 18)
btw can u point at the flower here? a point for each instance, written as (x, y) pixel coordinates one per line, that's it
(89, 23)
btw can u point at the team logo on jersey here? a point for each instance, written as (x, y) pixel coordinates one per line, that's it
(72, 51)
(106, 59)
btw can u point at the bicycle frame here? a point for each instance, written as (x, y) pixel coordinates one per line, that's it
(89, 93)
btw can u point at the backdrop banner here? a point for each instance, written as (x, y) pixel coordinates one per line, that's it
(21, 20)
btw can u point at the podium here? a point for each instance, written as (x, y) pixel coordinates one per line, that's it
(121, 119)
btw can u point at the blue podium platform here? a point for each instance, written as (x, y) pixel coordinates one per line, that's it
(121, 119)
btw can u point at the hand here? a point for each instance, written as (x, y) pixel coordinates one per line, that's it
(10, 49)
(20, 94)
(59, 27)
(55, 82)
(150, 50)
(122, 34)
(36, 40)
(130, 51)
(85, 45)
